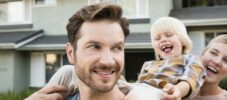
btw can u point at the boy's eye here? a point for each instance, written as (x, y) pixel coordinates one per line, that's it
(157, 37)
(169, 34)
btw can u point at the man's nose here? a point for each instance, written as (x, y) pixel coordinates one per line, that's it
(107, 59)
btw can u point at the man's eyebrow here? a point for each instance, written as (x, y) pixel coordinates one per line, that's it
(93, 42)
(119, 43)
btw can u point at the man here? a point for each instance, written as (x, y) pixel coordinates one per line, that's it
(96, 35)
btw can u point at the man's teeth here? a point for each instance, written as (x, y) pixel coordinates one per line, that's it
(104, 73)
(212, 69)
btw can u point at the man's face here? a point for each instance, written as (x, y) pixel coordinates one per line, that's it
(99, 56)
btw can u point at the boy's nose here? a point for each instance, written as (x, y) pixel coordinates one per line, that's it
(163, 39)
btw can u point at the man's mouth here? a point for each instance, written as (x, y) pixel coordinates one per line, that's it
(167, 48)
(105, 74)
(212, 69)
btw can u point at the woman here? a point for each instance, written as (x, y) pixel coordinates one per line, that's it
(214, 59)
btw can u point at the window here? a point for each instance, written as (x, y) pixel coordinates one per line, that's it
(131, 8)
(203, 3)
(53, 62)
(14, 12)
(210, 35)
(42, 3)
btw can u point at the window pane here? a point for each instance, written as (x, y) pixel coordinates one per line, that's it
(203, 3)
(3, 12)
(16, 11)
(129, 7)
(208, 37)
(45, 2)
(142, 7)
(53, 63)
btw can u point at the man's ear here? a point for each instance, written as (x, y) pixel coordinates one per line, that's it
(70, 53)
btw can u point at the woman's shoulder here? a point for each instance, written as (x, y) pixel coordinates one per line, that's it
(220, 96)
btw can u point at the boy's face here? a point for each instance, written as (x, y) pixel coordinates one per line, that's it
(214, 60)
(167, 45)
(99, 56)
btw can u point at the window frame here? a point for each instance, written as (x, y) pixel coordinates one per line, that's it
(137, 12)
(26, 12)
(44, 4)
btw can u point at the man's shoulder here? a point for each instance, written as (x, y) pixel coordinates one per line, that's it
(75, 96)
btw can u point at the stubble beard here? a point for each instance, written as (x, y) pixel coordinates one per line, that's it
(88, 80)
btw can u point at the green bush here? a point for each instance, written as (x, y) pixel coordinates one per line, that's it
(17, 96)
(223, 83)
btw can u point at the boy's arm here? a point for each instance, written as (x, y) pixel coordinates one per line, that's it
(184, 88)
(176, 92)
(194, 75)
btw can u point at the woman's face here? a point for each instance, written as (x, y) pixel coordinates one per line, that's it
(214, 60)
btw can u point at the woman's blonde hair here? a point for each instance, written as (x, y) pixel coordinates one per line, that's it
(173, 25)
(218, 39)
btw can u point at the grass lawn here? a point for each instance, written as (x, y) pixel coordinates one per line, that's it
(17, 96)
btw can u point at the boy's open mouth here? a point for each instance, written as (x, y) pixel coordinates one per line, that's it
(166, 48)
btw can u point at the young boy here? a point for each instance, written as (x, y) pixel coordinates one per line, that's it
(178, 73)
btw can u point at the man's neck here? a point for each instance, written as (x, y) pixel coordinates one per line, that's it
(87, 94)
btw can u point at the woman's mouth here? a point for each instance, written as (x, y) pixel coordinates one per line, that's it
(212, 69)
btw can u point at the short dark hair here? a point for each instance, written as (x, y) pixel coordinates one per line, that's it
(95, 12)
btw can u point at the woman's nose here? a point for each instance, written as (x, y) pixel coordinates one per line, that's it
(217, 61)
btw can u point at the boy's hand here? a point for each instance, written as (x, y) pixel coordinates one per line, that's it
(173, 93)
(48, 93)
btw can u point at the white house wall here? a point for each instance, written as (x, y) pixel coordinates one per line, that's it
(53, 19)
(21, 71)
(6, 71)
(156, 9)
(37, 70)
(159, 8)
(198, 40)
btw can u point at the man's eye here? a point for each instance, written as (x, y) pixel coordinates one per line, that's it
(94, 46)
(117, 48)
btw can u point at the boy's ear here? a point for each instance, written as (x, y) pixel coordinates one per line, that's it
(70, 53)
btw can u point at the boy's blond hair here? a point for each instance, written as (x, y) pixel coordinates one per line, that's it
(173, 25)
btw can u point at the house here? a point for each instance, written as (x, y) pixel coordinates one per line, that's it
(33, 34)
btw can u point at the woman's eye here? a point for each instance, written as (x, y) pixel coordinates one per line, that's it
(225, 60)
(213, 53)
